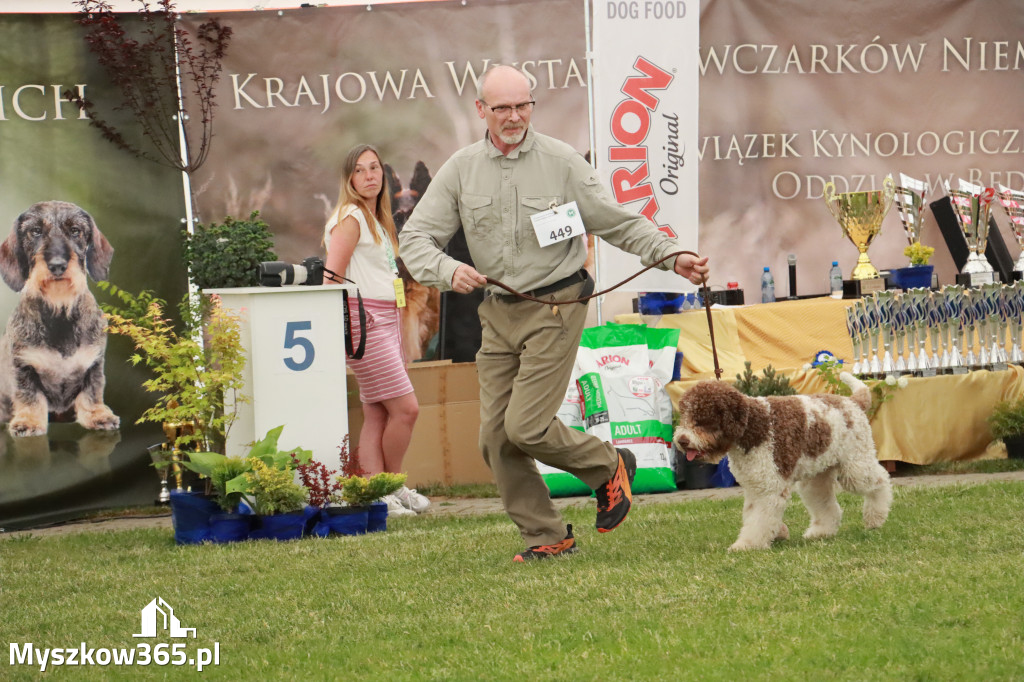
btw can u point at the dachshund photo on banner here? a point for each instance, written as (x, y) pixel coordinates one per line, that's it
(51, 353)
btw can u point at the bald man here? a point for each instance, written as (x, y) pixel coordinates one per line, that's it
(491, 189)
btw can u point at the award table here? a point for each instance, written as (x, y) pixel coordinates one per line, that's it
(932, 419)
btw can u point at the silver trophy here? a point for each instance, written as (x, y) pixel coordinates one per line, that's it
(163, 460)
(853, 329)
(862, 320)
(1015, 321)
(871, 323)
(1003, 313)
(972, 312)
(884, 301)
(917, 312)
(905, 362)
(1013, 204)
(938, 331)
(993, 355)
(909, 201)
(953, 333)
(972, 205)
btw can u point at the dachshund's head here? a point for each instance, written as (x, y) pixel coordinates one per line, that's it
(51, 244)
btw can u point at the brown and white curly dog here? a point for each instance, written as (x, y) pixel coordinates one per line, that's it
(810, 442)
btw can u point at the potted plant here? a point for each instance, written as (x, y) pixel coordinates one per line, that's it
(227, 254)
(361, 496)
(919, 273)
(1006, 423)
(225, 480)
(193, 371)
(277, 500)
(228, 481)
(322, 487)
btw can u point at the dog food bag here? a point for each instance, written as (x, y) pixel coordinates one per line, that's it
(620, 398)
(661, 349)
(562, 483)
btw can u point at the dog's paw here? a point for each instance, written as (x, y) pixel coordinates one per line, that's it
(816, 532)
(744, 545)
(26, 427)
(874, 520)
(100, 419)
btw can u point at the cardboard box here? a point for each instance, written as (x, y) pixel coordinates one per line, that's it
(444, 442)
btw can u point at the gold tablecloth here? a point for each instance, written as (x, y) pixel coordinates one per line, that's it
(931, 420)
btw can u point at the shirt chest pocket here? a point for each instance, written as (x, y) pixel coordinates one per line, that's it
(477, 214)
(533, 205)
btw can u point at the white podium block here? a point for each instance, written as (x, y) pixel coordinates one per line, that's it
(294, 341)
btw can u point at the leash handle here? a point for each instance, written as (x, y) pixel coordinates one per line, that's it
(705, 292)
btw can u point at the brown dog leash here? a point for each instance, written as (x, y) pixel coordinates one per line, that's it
(705, 293)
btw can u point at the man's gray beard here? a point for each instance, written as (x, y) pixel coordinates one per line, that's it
(515, 138)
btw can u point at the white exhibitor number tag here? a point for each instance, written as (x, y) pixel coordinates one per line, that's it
(558, 224)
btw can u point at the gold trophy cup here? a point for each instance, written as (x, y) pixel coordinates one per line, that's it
(860, 216)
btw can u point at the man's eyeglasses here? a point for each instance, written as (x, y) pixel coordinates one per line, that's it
(506, 109)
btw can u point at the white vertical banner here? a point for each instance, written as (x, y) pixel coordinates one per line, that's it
(645, 71)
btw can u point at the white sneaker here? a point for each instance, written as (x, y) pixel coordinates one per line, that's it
(412, 500)
(395, 507)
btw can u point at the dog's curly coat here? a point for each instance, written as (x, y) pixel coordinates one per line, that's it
(51, 353)
(811, 442)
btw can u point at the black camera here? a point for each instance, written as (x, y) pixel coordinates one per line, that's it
(277, 273)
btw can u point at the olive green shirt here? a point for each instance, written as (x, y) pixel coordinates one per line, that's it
(492, 196)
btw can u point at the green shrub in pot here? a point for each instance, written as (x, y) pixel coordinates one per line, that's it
(228, 254)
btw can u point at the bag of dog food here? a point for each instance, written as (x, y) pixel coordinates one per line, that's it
(562, 483)
(624, 400)
(661, 349)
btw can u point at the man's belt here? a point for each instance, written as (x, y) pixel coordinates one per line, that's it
(580, 276)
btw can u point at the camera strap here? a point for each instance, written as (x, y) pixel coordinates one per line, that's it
(335, 277)
(348, 326)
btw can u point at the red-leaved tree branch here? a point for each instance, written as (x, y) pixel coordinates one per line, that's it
(162, 76)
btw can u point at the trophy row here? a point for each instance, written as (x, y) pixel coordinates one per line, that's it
(949, 331)
(860, 216)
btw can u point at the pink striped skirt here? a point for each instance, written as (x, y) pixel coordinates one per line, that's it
(381, 371)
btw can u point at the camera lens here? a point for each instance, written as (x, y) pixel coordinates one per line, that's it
(273, 273)
(277, 273)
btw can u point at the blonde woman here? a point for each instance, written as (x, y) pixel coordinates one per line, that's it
(362, 243)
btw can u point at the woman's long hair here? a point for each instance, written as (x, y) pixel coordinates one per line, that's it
(348, 195)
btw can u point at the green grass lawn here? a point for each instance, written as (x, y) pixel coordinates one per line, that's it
(936, 594)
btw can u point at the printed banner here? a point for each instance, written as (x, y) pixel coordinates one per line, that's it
(795, 95)
(300, 87)
(645, 85)
(68, 459)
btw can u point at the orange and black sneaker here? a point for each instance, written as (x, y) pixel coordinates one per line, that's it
(615, 497)
(560, 548)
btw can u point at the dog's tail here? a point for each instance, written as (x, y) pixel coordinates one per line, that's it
(861, 394)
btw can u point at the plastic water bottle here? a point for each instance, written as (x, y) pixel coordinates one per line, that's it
(767, 286)
(835, 280)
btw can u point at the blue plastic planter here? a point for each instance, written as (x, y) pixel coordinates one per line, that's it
(190, 515)
(346, 520)
(228, 527)
(723, 478)
(912, 277)
(279, 527)
(377, 517)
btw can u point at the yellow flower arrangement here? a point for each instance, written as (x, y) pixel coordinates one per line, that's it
(918, 253)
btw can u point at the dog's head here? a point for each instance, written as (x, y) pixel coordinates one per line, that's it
(713, 418)
(50, 238)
